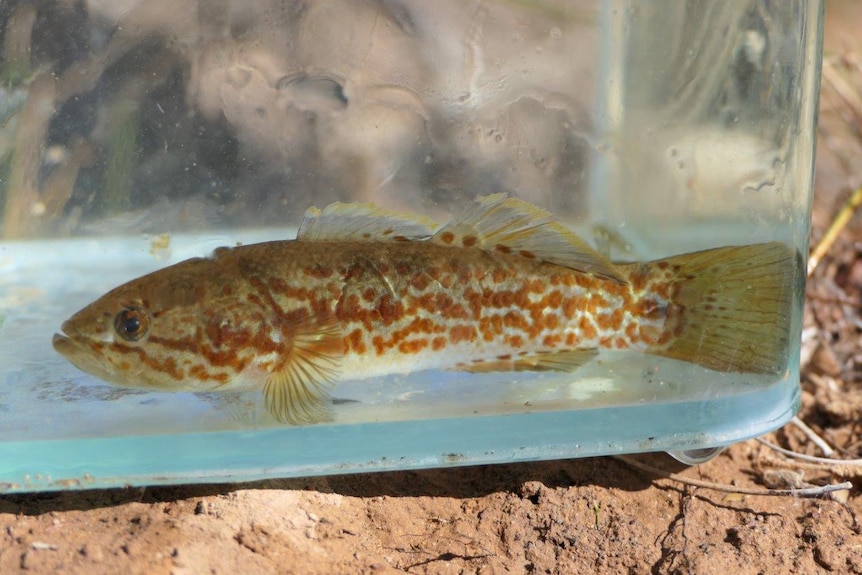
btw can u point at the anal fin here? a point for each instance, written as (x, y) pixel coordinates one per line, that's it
(563, 361)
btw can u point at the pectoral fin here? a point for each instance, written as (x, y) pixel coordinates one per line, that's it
(297, 393)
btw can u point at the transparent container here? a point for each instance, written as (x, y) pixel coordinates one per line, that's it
(150, 132)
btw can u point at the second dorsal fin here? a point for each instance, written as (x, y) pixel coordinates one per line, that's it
(497, 223)
(362, 222)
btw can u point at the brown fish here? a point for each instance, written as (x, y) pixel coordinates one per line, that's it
(365, 292)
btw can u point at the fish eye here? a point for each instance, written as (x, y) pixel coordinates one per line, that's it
(132, 323)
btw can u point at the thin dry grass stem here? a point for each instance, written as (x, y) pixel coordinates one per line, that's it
(838, 224)
(723, 488)
(827, 449)
(825, 461)
(835, 467)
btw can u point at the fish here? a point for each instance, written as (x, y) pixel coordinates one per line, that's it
(364, 292)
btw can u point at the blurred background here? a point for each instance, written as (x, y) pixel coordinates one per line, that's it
(123, 116)
(156, 116)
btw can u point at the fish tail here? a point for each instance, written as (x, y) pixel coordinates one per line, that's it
(728, 309)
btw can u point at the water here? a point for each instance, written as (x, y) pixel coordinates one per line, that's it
(182, 129)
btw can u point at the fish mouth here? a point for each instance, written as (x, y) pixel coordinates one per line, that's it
(63, 344)
(77, 352)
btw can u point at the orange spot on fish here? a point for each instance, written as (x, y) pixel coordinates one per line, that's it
(279, 285)
(535, 286)
(412, 346)
(587, 329)
(638, 280)
(503, 249)
(438, 343)
(318, 271)
(502, 299)
(469, 241)
(348, 309)
(552, 340)
(460, 333)
(447, 237)
(420, 281)
(356, 342)
(514, 320)
(570, 308)
(390, 311)
(378, 344)
(610, 322)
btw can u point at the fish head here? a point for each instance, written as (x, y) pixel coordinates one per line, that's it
(148, 332)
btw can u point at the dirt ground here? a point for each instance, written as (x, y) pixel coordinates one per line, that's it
(580, 516)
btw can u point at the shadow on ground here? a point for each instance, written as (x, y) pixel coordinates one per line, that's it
(457, 482)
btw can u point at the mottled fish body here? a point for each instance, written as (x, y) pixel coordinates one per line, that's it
(365, 292)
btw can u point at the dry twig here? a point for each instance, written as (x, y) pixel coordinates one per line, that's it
(806, 492)
(824, 461)
(812, 435)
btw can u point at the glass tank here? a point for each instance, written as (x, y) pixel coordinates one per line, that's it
(396, 234)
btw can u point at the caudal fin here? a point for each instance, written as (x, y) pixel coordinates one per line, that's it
(729, 308)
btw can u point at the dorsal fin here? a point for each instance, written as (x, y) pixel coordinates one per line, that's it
(497, 223)
(362, 222)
